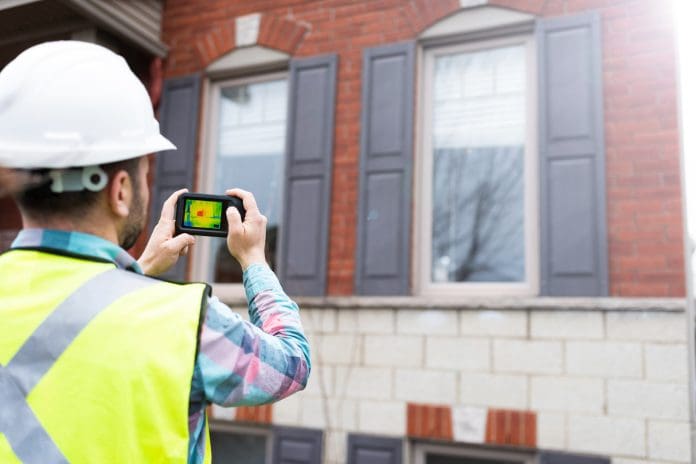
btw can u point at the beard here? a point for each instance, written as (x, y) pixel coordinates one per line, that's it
(135, 222)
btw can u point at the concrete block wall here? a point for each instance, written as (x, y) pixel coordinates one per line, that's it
(600, 382)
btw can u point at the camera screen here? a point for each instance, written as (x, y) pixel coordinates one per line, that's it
(203, 214)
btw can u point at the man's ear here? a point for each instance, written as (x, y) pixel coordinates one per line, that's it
(120, 194)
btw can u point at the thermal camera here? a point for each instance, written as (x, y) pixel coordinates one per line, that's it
(202, 214)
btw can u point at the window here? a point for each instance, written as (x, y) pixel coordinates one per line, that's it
(478, 196)
(436, 458)
(239, 443)
(444, 454)
(246, 149)
(235, 445)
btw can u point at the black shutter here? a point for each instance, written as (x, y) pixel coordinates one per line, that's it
(305, 230)
(296, 446)
(175, 168)
(553, 457)
(382, 262)
(571, 143)
(365, 449)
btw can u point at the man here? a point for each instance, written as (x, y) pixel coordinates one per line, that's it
(99, 363)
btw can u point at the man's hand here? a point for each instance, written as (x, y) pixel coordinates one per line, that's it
(246, 240)
(163, 249)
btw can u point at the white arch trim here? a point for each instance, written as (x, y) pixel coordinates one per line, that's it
(248, 57)
(475, 16)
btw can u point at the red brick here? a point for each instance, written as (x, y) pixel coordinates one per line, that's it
(429, 421)
(507, 427)
(255, 414)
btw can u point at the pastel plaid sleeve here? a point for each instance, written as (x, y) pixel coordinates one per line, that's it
(248, 363)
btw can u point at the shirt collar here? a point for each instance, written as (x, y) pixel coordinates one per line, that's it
(77, 243)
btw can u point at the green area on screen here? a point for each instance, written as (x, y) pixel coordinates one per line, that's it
(203, 214)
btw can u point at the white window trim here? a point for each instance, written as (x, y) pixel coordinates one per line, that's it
(420, 450)
(423, 180)
(201, 254)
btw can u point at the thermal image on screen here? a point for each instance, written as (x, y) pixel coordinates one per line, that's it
(203, 214)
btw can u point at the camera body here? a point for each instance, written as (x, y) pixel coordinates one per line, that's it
(202, 214)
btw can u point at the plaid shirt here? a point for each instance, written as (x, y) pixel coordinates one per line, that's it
(238, 362)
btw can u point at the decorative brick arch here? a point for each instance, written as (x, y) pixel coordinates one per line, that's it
(424, 13)
(535, 7)
(279, 33)
(283, 34)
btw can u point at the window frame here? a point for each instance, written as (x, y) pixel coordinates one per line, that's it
(420, 451)
(422, 245)
(201, 253)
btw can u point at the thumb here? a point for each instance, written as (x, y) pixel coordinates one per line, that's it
(181, 241)
(234, 220)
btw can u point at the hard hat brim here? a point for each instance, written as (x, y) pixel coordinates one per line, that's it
(71, 155)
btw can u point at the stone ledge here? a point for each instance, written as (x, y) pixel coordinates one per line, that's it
(662, 305)
(503, 303)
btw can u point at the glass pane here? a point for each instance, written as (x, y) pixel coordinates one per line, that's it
(479, 132)
(442, 459)
(236, 448)
(251, 155)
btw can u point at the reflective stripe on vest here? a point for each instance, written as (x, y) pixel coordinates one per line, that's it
(26, 436)
(64, 399)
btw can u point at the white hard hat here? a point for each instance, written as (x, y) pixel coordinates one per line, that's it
(73, 104)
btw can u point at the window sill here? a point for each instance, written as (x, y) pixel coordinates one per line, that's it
(606, 304)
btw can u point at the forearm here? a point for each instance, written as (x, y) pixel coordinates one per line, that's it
(274, 312)
(245, 363)
(271, 309)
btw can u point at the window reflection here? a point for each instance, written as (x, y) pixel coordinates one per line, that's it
(479, 130)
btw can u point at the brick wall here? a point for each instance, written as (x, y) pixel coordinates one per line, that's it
(644, 220)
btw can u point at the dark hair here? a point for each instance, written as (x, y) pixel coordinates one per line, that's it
(42, 201)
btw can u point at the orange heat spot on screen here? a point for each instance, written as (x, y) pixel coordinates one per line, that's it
(199, 213)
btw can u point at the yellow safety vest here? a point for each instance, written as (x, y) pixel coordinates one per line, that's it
(95, 362)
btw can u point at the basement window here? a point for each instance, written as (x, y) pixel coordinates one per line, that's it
(231, 445)
(446, 454)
